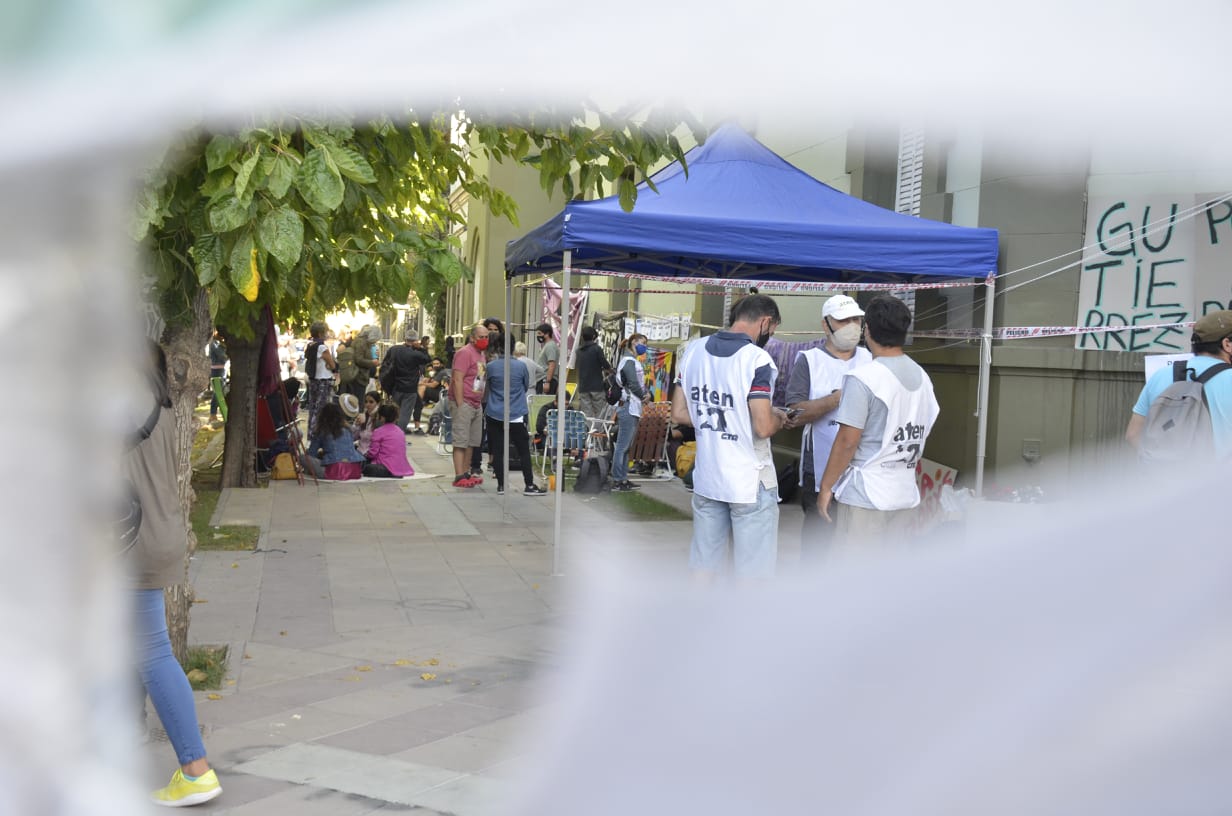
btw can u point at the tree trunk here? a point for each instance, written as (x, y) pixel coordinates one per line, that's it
(188, 374)
(437, 310)
(239, 454)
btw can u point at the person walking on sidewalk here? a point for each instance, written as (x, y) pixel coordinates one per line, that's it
(494, 408)
(723, 389)
(629, 410)
(156, 561)
(466, 394)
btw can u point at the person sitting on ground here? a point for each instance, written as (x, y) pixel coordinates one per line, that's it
(331, 451)
(365, 421)
(387, 454)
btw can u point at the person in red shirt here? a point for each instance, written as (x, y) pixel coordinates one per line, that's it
(466, 394)
(387, 450)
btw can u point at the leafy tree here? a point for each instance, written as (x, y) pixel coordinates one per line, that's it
(307, 216)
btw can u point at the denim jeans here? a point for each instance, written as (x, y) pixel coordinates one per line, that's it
(752, 528)
(626, 429)
(164, 679)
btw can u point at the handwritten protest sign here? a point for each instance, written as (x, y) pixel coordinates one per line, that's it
(1147, 263)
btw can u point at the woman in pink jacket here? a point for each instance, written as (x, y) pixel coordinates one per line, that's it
(387, 451)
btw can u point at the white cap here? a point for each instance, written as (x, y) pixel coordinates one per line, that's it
(841, 307)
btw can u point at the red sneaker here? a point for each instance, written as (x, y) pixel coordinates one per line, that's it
(464, 481)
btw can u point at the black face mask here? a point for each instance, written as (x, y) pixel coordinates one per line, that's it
(763, 338)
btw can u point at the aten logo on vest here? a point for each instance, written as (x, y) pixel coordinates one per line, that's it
(710, 406)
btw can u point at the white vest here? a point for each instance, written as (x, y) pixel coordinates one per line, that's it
(889, 475)
(628, 400)
(730, 460)
(825, 376)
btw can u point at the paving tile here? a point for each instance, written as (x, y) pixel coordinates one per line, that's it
(306, 800)
(459, 752)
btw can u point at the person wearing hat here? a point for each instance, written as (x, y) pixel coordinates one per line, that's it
(814, 390)
(407, 362)
(1211, 344)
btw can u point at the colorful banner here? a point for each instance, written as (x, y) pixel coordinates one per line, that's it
(658, 365)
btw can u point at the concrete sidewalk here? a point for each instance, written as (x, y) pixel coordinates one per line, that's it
(387, 638)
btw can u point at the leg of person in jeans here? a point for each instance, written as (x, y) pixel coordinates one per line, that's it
(626, 425)
(172, 695)
(755, 535)
(406, 407)
(496, 446)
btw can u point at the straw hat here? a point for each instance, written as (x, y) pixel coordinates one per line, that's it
(349, 405)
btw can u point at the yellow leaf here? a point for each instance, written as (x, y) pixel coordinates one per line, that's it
(427, 676)
(534, 586)
(235, 566)
(363, 668)
(447, 682)
(254, 278)
(354, 678)
(213, 696)
(433, 662)
(402, 662)
(230, 682)
(200, 600)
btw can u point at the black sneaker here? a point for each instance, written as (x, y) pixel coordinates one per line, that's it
(624, 487)
(534, 490)
(500, 490)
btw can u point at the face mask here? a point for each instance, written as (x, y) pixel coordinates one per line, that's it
(764, 337)
(481, 343)
(846, 338)
(640, 348)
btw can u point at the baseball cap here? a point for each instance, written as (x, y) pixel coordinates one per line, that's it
(1213, 327)
(841, 307)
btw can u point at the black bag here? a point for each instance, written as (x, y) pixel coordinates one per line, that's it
(592, 475)
(387, 378)
(612, 389)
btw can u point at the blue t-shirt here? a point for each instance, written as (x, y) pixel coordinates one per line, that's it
(1218, 397)
(519, 379)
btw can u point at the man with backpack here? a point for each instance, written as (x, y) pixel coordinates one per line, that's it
(1184, 412)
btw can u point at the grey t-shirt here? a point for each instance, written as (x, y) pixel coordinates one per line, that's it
(860, 409)
(550, 353)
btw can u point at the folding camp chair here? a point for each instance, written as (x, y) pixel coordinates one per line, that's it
(650, 441)
(577, 433)
(271, 429)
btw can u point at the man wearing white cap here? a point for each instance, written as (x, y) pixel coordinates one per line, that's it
(814, 390)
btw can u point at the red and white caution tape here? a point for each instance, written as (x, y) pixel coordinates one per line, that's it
(1028, 332)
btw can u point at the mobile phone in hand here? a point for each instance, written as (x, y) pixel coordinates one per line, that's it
(792, 413)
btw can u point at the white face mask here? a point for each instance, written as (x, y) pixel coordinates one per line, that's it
(846, 338)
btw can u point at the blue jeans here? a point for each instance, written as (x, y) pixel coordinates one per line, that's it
(626, 429)
(753, 529)
(164, 679)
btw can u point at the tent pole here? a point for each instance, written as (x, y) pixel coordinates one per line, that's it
(508, 390)
(561, 407)
(981, 443)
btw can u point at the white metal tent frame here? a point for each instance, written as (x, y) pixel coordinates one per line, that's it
(985, 371)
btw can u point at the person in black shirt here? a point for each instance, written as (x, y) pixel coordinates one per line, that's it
(407, 361)
(592, 365)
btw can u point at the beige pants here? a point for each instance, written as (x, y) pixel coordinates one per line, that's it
(859, 525)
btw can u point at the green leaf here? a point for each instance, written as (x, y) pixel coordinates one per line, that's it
(355, 261)
(149, 213)
(281, 234)
(228, 214)
(351, 164)
(244, 175)
(319, 182)
(281, 175)
(628, 193)
(221, 151)
(218, 184)
(207, 255)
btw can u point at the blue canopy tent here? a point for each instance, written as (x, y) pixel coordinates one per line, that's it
(741, 213)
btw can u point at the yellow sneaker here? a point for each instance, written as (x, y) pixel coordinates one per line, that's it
(183, 793)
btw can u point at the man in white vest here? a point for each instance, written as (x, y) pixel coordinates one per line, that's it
(885, 415)
(814, 390)
(723, 388)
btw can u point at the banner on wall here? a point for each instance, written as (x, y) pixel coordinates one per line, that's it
(668, 327)
(658, 366)
(1153, 259)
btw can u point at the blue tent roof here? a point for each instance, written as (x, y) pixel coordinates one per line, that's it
(744, 212)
